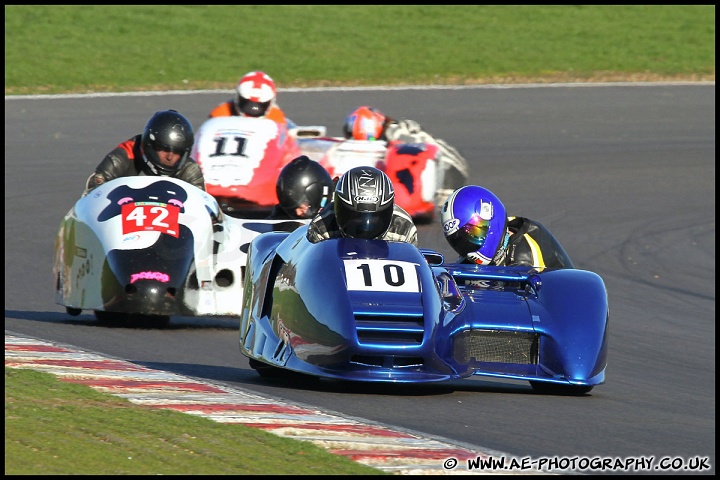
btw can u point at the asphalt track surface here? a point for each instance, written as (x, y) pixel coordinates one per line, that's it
(623, 175)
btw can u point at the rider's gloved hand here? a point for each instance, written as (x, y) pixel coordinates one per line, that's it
(94, 180)
(410, 125)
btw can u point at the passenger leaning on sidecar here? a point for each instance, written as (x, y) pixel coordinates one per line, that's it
(163, 149)
(477, 227)
(255, 96)
(303, 188)
(363, 207)
(369, 123)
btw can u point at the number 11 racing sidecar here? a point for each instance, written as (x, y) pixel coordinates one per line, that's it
(377, 311)
(241, 158)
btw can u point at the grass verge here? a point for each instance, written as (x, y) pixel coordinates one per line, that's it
(58, 428)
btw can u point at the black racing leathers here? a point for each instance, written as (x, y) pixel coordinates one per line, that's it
(125, 160)
(533, 245)
(324, 226)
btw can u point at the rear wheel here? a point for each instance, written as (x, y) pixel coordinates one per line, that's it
(546, 388)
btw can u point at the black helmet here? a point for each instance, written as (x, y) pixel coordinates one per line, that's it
(364, 200)
(303, 182)
(166, 130)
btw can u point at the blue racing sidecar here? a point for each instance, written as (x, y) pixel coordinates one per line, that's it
(378, 311)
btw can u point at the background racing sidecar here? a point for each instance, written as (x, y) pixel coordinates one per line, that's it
(241, 158)
(413, 168)
(146, 248)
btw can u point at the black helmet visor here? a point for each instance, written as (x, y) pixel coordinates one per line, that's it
(363, 224)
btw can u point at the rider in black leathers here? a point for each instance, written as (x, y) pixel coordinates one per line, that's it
(303, 188)
(363, 207)
(162, 149)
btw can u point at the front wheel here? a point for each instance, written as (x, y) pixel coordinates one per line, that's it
(267, 371)
(132, 319)
(545, 388)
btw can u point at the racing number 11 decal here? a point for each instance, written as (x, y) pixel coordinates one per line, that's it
(381, 275)
(146, 216)
(221, 151)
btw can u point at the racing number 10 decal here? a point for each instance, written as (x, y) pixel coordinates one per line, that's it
(156, 217)
(381, 275)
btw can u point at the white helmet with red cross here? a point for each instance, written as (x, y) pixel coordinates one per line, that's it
(255, 93)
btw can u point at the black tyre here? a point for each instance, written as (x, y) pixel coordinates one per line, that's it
(150, 321)
(545, 388)
(110, 317)
(132, 320)
(268, 371)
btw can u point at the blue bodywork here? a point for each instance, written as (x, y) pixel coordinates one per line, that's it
(371, 310)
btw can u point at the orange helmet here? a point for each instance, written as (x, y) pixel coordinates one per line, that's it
(364, 123)
(255, 92)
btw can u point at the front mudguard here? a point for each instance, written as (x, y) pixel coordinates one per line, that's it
(570, 310)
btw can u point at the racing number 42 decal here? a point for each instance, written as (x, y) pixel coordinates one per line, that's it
(149, 216)
(381, 275)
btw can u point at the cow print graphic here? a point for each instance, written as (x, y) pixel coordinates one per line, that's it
(160, 192)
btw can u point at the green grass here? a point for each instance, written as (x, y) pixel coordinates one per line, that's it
(58, 428)
(56, 49)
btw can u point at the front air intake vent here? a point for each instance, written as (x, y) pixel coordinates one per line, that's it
(496, 346)
(390, 329)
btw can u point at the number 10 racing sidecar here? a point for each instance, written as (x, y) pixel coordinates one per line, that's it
(377, 311)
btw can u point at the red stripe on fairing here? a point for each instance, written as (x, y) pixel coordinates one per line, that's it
(121, 384)
(85, 364)
(228, 407)
(34, 348)
(360, 429)
(428, 454)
